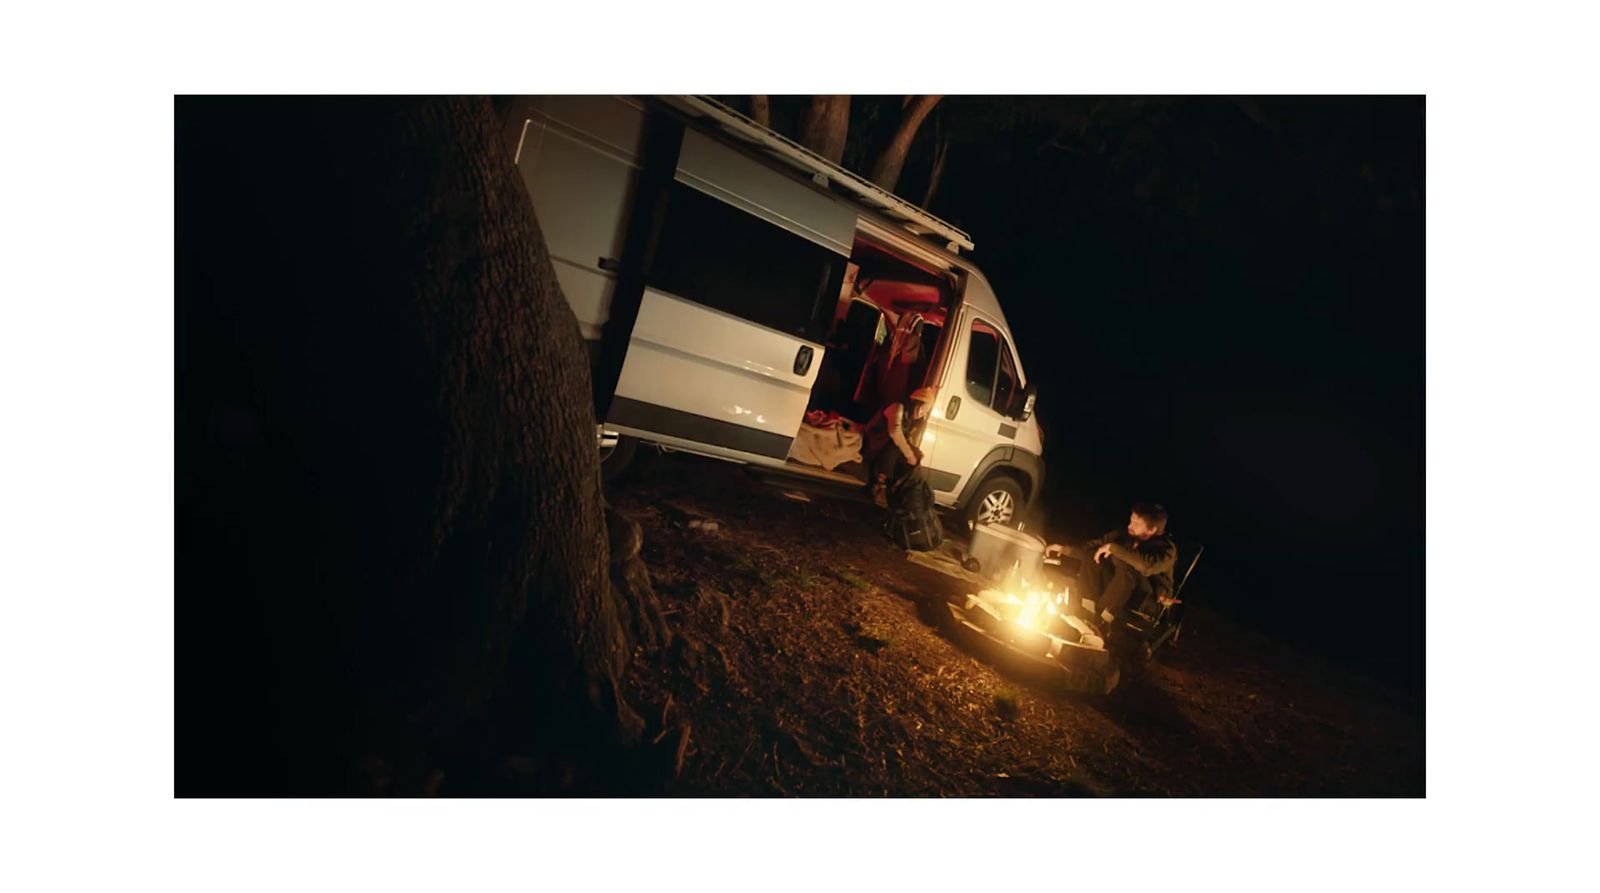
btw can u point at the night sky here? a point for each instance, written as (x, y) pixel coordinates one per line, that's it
(1221, 301)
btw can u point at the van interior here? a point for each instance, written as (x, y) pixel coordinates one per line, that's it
(886, 335)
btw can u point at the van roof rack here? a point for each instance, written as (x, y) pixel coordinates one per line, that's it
(824, 172)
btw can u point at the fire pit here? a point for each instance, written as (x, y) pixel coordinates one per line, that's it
(1033, 631)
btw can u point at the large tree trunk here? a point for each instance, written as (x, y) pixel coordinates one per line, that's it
(826, 126)
(411, 523)
(886, 170)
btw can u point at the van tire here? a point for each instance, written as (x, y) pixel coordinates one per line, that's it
(990, 503)
(616, 461)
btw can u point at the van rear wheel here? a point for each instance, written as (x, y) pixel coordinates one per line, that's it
(616, 454)
(998, 501)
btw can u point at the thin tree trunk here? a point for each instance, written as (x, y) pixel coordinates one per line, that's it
(939, 156)
(826, 126)
(761, 110)
(377, 285)
(886, 170)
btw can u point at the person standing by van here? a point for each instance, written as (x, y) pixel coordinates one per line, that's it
(894, 365)
(891, 440)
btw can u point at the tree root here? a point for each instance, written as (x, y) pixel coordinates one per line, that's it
(630, 585)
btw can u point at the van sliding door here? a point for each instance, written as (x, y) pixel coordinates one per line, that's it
(739, 290)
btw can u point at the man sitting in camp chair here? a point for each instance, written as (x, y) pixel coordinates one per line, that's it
(1125, 565)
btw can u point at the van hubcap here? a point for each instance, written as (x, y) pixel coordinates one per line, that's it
(996, 508)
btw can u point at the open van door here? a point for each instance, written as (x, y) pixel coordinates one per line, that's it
(705, 279)
(739, 285)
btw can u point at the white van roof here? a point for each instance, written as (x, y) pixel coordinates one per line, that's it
(908, 216)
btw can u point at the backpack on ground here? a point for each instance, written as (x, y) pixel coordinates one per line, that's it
(912, 523)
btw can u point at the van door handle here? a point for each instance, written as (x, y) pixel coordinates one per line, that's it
(954, 407)
(802, 360)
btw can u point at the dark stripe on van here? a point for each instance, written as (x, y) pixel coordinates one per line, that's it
(676, 423)
(943, 481)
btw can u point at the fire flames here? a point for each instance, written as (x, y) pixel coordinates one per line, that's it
(1039, 624)
(1035, 607)
(1037, 617)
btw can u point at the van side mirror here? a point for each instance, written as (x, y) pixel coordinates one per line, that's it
(1022, 403)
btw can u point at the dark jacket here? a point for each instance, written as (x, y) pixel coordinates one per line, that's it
(1156, 557)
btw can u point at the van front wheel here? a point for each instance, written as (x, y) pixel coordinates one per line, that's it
(998, 501)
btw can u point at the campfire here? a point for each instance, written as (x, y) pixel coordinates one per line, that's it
(1035, 622)
(1039, 620)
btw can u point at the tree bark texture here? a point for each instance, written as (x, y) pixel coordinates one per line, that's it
(761, 110)
(940, 153)
(826, 126)
(366, 279)
(886, 170)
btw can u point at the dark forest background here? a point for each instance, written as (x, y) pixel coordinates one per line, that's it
(1222, 302)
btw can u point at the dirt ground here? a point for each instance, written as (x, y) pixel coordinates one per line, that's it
(809, 665)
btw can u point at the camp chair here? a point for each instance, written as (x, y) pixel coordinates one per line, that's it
(1170, 608)
(1159, 619)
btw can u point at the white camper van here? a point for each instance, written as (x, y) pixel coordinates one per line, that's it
(729, 281)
